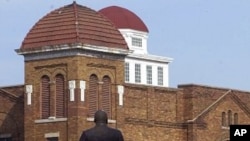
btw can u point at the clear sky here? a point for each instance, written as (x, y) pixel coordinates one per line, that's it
(208, 39)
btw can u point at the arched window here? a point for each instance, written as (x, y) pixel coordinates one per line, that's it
(229, 117)
(45, 97)
(235, 118)
(93, 95)
(106, 95)
(223, 119)
(60, 96)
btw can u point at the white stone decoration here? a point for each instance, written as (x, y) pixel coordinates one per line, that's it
(29, 90)
(82, 88)
(72, 86)
(52, 135)
(120, 90)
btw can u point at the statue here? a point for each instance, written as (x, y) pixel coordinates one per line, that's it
(101, 132)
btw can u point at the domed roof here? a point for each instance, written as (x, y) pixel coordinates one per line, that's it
(123, 18)
(73, 24)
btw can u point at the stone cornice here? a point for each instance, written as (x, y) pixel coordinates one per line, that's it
(72, 50)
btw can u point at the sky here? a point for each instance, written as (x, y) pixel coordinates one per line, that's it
(209, 40)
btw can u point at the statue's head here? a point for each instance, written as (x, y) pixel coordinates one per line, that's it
(101, 117)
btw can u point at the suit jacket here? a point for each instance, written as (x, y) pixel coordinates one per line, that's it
(101, 132)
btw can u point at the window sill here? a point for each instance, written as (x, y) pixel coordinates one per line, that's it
(111, 121)
(225, 127)
(50, 119)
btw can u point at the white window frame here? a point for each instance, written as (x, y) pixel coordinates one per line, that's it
(126, 71)
(160, 75)
(149, 74)
(137, 73)
(136, 41)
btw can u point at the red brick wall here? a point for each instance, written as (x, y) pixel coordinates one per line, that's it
(203, 101)
(148, 113)
(151, 113)
(73, 68)
(11, 112)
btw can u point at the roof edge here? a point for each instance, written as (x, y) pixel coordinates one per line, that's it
(114, 50)
(210, 87)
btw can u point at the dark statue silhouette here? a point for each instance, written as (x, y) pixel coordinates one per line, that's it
(101, 131)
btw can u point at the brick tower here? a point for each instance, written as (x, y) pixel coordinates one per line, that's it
(74, 65)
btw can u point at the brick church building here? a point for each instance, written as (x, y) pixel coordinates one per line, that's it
(78, 60)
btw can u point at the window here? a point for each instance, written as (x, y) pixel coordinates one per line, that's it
(53, 104)
(106, 95)
(149, 74)
(223, 119)
(235, 118)
(127, 72)
(229, 117)
(45, 111)
(99, 98)
(60, 96)
(93, 95)
(137, 73)
(136, 42)
(160, 75)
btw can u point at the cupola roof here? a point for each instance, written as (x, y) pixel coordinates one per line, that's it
(124, 18)
(73, 24)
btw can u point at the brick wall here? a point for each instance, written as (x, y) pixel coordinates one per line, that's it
(11, 112)
(186, 113)
(205, 107)
(151, 113)
(72, 68)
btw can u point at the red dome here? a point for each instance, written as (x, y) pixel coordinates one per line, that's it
(123, 18)
(73, 24)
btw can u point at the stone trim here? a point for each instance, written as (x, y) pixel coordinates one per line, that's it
(111, 121)
(50, 120)
(224, 127)
(75, 50)
(29, 91)
(51, 135)
(149, 57)
(72, 86)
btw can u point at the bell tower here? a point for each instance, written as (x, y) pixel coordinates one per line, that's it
(74, 65)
